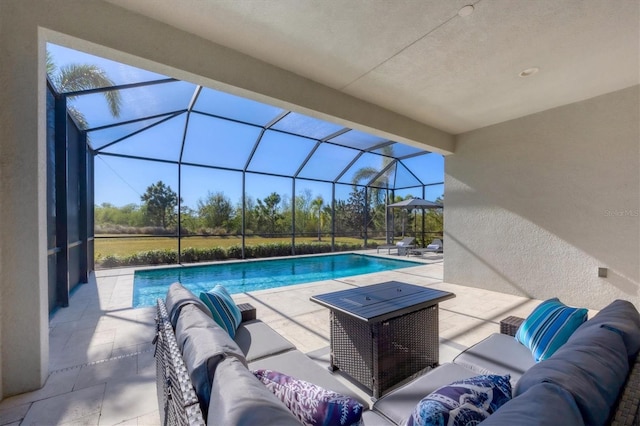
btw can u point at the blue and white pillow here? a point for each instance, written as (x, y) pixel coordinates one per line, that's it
(549, 326)
(224, 310)
(310, 403)
(465, 402)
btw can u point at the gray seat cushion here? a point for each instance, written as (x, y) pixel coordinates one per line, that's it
(591, 366)
(497, 354)
(399, 403)
(372, 418)
(257, 340)
(179, 296)
(296, 364)
(239, 398)
(542, 405)
(203, 345)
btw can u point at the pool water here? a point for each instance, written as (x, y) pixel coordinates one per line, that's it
(240, 277)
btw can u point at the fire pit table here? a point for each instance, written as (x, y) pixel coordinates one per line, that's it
(384, 333)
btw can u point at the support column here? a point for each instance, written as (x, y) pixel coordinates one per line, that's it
(24, 313)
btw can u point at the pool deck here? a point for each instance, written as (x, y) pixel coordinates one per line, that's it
(102, 370)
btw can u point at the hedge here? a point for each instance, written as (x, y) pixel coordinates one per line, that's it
(193, 255)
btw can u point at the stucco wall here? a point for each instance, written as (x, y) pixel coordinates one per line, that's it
(534, 206)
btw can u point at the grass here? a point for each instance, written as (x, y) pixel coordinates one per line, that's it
(132, 245)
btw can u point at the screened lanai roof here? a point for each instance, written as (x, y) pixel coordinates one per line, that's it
(183, 123)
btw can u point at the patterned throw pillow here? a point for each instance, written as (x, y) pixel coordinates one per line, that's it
(313, 405)
(549, 326)
(224, 310)
(465, 402)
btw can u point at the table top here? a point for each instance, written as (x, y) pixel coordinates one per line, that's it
(380, 302)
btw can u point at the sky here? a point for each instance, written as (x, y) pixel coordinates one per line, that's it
(210, 141)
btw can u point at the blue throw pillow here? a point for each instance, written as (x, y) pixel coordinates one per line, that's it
(464, 402)
(549, 326)
(312, 404)
(224, 310)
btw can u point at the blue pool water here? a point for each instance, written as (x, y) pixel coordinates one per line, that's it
(239, 277)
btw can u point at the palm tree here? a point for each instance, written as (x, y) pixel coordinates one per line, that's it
(76, 77)
(316, 206)
(365, 174)
(378, 194)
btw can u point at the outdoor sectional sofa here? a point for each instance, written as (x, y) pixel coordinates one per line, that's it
(203, 374)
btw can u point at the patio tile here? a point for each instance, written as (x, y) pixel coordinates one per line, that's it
(68, 407)
(56, 384)
(128, 398)
(90, 420)
(13, 414)
(149, 419)
(77, 356)
(103, 372)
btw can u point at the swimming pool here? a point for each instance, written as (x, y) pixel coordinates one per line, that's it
(240, 277)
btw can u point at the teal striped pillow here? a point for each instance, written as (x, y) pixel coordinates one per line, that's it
(549, 326)
(224, 310)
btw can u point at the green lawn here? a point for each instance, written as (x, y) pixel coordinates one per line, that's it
(132, 245)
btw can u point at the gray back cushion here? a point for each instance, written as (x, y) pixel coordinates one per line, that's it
(592, 366)
(203, 345)
(542, 404)
(239, 398)
(622, 316)
(177, 297)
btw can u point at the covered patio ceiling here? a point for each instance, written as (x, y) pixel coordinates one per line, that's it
(452, 64)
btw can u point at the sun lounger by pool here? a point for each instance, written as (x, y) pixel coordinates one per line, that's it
(434, 247)
(402, 246)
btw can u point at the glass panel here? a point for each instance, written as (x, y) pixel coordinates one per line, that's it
(404, 178)
(212, 205)
(230, 106)
(428, 168)
(306, 126)
(327, 162)
(313, 211)
(434, 193)
(99, 138)
(365, 169)
(120, 212)
(161, 142)
(386, 179)
(216, 142)
(280, 153)
(358, 140)
(138, 102)
(268, 209)
(119, 73)
(349, 212)
(123, 181)
(397, 150)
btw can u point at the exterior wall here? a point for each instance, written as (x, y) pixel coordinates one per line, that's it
(112, 32)
(535, 205)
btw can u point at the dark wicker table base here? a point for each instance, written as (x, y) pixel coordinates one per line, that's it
(381, 355)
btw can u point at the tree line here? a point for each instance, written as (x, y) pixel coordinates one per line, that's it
(216, 214)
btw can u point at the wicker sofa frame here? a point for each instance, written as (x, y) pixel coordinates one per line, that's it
(177, 400)
(627, 412)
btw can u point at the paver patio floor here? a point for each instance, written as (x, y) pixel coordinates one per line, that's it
(102, 370)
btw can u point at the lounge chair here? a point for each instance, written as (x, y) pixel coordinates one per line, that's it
(435, 247)
(402, 246)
